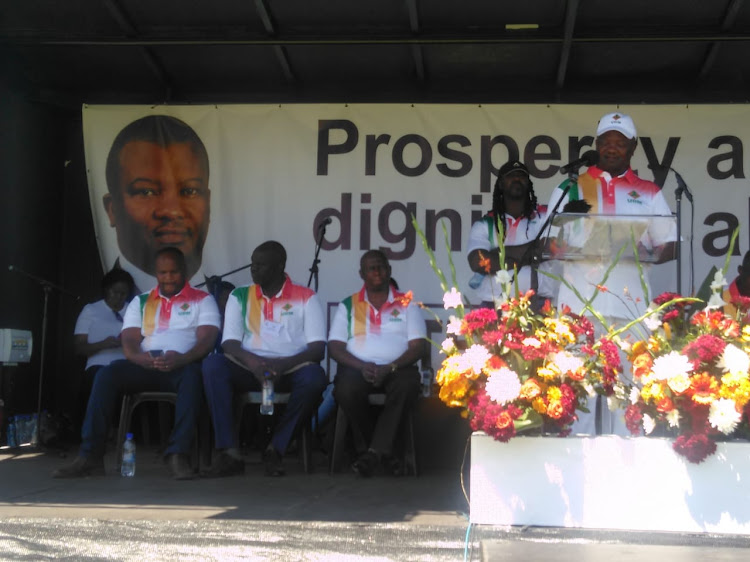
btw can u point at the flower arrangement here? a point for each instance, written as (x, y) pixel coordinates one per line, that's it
(512, 369)
(692, 373)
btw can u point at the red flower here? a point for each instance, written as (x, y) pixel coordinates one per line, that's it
(694, 447)
(704, 349)
(479, 319)
(633, 417)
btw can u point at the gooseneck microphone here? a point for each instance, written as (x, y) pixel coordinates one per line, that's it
(588, 158)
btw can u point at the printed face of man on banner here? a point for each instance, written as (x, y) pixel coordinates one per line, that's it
(157, 178)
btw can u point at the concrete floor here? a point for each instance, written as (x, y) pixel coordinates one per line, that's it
(298, 517)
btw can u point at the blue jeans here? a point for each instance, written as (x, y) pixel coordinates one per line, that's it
(223, 378)
(123, 377)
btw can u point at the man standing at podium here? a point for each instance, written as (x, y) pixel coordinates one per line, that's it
(611, 187)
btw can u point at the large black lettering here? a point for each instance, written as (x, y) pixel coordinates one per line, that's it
(716, 243)
(344, 216)
(487, 168)
(660, 168)
(398, 155)
(455, 155)
(432, 218)
(734, 156)
(533, 154)
(325, 148)
(371, 150)
(408, 235)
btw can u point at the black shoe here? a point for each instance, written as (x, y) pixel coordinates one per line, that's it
(81, 467)
(393, 466)
(272, 460)
(366, 464)
(224, 465)
(179, 467)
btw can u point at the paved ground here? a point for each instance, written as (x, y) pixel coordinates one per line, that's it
(299, 517)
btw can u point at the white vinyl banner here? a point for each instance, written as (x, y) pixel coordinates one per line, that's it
(277, 172)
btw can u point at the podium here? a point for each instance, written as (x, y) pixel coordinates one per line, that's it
(582, 247)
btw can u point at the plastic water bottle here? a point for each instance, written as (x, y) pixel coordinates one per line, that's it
(427, 377)
(22, 429)
(127, 468)
(33, 426)
(266, 402)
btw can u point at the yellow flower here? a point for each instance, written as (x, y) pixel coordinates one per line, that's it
(653, 345)
(736, 387)
(554, 393)
(636, 349)
(679, 383)
(652, 392)
(746, 333)
(539, 405)
(548, 373)
(667, 330)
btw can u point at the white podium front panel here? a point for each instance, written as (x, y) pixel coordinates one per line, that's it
(608, 482)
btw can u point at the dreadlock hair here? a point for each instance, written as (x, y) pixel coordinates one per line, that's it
(498, 204)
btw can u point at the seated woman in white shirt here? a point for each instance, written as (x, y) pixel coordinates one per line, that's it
(97, 331)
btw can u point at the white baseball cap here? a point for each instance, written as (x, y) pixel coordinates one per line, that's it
(617, 122)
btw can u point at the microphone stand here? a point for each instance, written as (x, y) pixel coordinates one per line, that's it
(681, 188)
(314, 268)
(47, 287)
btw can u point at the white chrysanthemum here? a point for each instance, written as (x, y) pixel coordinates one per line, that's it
(589, 388)
(448, 345)
(476, 358)
(670, 365)
(718, 283)
(673, 418)
(715, 301)
(652, 321)
(503, 385)
(566, 362)
(648, 424)
(454, 326)
(635, 394)
(723, 415)
(503, 277)
(532, 342)
(613, 403)
(452, 299)
(734, 360)
(622, 344)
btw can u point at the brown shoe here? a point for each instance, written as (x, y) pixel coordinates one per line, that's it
(81, 468)
(224, 465)
(179, 466)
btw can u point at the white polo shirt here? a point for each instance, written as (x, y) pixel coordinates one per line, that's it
(171, 323)
(379, 336)
(279, 326)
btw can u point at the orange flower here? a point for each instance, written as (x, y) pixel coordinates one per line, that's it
(602, 288)
(642, 364)
(704, 388)
(555, 409)
(530, 390)
(504, 420)
(485, 263)
(665, 405)
(404, 299)
(578, 374)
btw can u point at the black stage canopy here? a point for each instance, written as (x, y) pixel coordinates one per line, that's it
(223, 51)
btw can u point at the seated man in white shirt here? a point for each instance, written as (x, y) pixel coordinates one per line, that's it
(377, 337)
(165, 334)
(272, 329)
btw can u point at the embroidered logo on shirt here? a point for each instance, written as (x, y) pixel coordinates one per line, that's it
(634, 196)
(287, 310)
(184, 309)
(395, 315)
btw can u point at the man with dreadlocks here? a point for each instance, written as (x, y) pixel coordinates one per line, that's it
(514, 206)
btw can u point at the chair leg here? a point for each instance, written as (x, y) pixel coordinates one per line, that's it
(339, 440)
(306, 442)
(122, 428)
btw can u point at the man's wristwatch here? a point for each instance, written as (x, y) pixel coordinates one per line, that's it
(393, 367)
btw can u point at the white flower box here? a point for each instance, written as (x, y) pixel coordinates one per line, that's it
(608, 482)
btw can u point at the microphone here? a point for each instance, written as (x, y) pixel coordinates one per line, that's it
(589, 158)
(325, 222)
